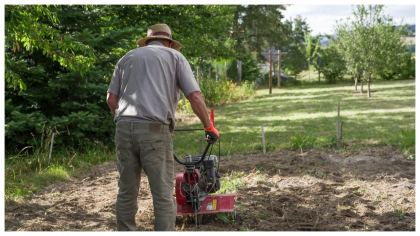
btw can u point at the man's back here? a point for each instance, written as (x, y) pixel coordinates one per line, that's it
(147, 81)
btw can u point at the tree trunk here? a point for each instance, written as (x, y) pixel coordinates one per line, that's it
(361, 86)
(355, 84)
(309, 69)
(319, 72)
(210, 72)
(368, 92)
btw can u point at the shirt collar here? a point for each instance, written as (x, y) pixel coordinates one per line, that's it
(156, 43)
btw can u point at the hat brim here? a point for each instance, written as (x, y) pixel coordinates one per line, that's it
(175, 45)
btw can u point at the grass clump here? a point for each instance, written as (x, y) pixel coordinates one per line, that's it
(231, 182)
(406, 141)
(29, 172)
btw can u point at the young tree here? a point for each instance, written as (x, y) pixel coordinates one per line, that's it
(370, 42)
(310, 49)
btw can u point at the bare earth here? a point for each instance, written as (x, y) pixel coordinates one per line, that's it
(370, 189)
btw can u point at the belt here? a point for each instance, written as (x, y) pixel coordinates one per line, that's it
(151, 127)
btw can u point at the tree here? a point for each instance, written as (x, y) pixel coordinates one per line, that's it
(257, 27)
(310, 49)
(295, 60)
(370, 43)
(34, 28)
(60, 59)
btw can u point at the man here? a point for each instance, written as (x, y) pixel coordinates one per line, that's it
(143, 96)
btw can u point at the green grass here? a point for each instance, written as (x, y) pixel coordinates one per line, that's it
(231, 182)
(292, 115)
(297, 117)
(29, 173)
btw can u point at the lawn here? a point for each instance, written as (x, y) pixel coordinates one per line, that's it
(307, 116)
(293, 117)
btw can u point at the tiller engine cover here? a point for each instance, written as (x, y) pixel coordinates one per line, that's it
(194, 185)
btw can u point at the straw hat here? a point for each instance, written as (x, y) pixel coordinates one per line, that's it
(159, 31)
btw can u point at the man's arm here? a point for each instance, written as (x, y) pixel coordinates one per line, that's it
(112, 101)
(199, 107)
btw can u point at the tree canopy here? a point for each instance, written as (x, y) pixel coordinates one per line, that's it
(59, 59)
(370, 43)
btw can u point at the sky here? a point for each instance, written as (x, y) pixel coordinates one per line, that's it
(322, 18)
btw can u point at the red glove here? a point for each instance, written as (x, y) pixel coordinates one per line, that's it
(211, 134)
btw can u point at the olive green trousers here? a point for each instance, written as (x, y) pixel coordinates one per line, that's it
(148, 147)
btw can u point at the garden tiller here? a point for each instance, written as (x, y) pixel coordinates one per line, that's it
(200, 179)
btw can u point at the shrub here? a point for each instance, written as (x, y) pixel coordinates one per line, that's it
(406, 141)
(405, 70)
(333, 66)
(224, 91)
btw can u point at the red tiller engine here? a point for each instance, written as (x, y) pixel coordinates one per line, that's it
(200, 179)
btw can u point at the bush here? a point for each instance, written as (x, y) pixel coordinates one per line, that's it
(333, 66)
(224, 91)
(405, 70)
(406, 141)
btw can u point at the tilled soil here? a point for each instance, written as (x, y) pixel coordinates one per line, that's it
(370, 189)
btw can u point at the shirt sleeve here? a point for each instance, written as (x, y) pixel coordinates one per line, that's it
(114, 86)
(186, 79)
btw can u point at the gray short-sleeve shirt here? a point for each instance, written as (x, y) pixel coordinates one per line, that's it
(147, 81)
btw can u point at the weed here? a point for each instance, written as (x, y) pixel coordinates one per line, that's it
(348, 227)
(300, 142)
(262, 216)
(316, 199)
(406, 141)
(411, 157)
(359, 191)
(222, 216)
(268, 147)
(245, 229)
(399, 213)
(313, 172)
(231, 183)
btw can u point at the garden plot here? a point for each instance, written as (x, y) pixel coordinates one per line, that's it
(368, 189)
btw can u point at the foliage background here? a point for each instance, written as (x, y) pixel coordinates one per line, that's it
(59, 60)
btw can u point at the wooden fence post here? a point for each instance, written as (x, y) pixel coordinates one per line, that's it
(263, 138)
(279, 69)
(210, 72)
(270, 78)
(338, 127)
(239, 66)
(51, 147)
(226, 70)
(217, 75)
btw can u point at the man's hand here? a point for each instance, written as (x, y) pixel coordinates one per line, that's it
(211, 134)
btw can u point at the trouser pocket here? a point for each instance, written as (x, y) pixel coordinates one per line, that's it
(152, 151)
